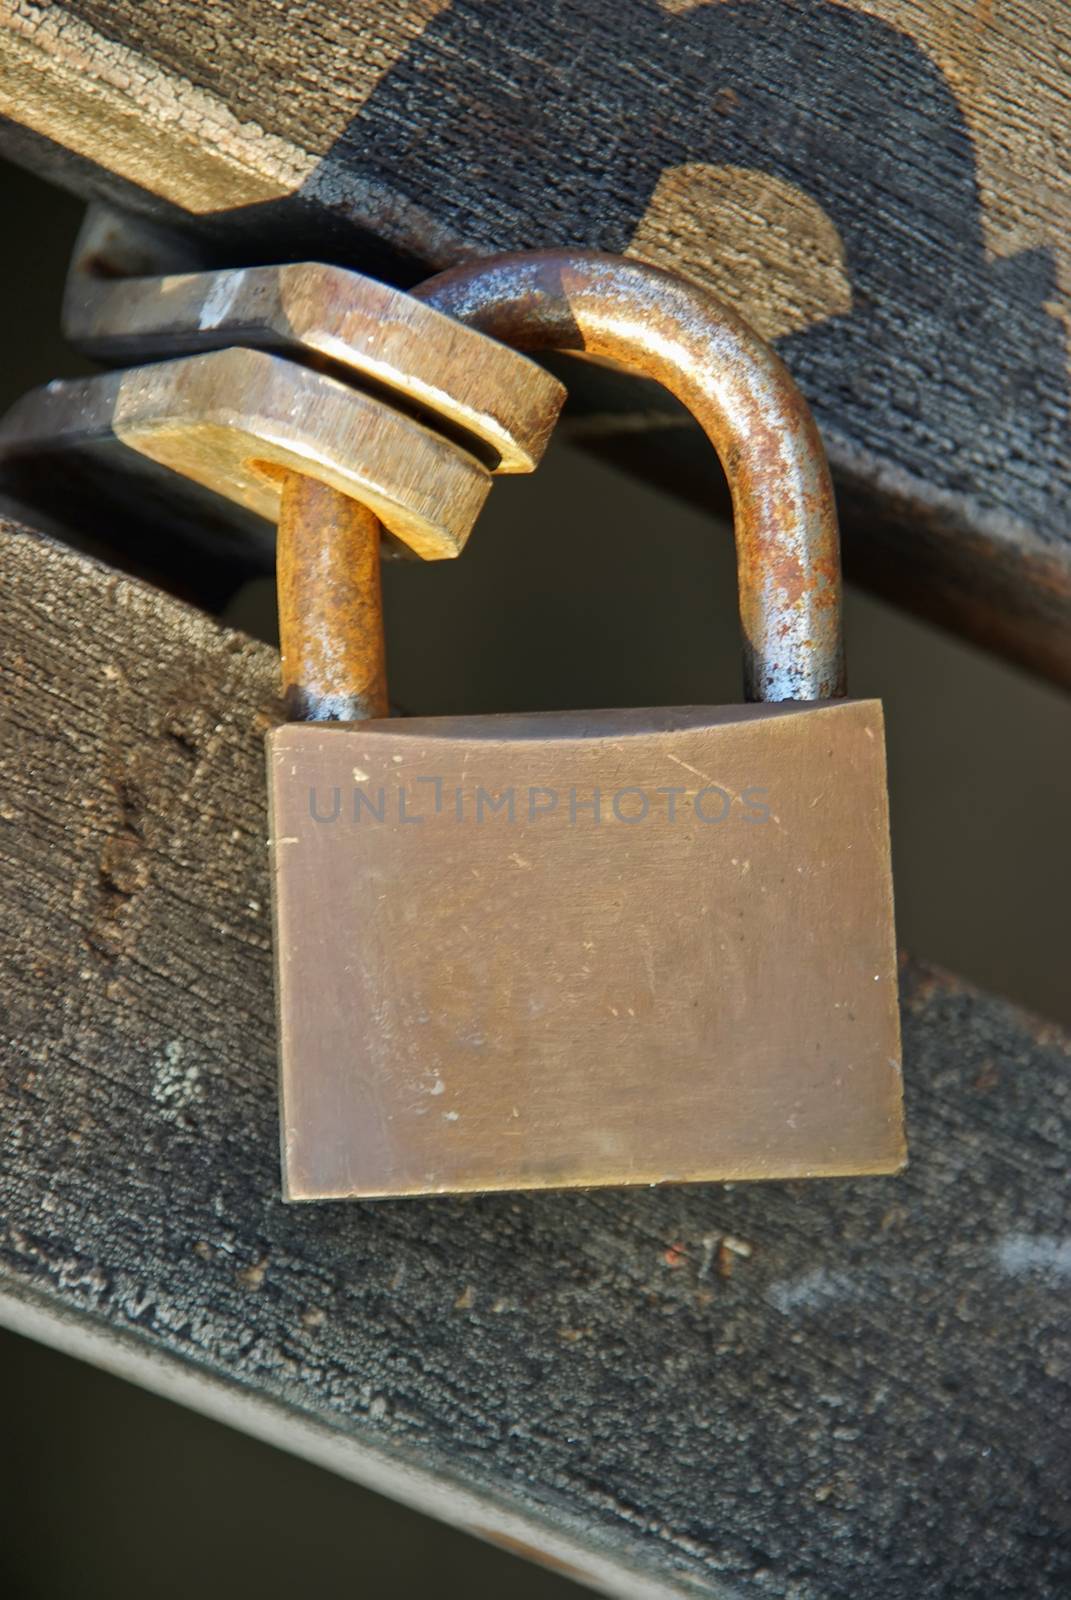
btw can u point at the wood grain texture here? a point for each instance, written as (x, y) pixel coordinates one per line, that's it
(829, 1389)
(879, 186)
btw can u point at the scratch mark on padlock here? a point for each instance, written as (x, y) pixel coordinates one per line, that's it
(694, 770)
(221, 297)
(643, 939)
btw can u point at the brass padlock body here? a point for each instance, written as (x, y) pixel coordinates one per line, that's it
(484, 983)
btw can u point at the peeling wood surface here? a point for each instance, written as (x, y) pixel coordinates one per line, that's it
(879, 186)
(815, 1390)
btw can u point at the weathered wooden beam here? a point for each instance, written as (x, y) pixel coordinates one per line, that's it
(879, 187)
(824, 1389)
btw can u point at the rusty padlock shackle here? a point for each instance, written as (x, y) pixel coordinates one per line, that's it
(741, 393)
(656, 324)
(339, 461)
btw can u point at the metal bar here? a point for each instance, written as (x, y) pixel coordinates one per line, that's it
(788, 550)
(330, 605)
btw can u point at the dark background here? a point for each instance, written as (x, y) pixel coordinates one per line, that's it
(112, 1492)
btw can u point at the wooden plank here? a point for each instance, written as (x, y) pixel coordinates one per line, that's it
(819, 1389)
(878, 186)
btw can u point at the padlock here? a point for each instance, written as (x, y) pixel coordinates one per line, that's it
(538, 951)
(591, 948)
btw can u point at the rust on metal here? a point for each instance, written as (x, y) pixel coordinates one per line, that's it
(486, 395)
(218, 418)
(788, 550)
(330, 604)
(296, 368)
(427, 353)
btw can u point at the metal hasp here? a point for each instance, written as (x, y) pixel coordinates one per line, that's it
(738, 389)
(258, 373)
(302, 395)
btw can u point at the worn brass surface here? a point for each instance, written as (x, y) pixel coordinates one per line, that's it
(230, 420)
(451, 376)
(492, 1001)
(784, 514)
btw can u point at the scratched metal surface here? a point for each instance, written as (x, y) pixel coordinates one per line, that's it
(824, 1389)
